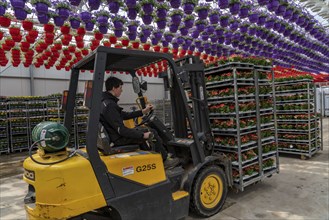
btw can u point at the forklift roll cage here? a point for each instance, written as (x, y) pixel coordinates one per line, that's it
(113, 59)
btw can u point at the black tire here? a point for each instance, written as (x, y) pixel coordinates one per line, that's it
(208, 201)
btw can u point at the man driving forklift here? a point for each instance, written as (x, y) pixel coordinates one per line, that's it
(112, 116)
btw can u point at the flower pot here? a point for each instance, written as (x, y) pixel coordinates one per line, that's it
(161, 24)
(75, 2)
(210, 30)
(20, 14)
(188, 8)
(63, 13)
(17, 4)
(219, 32)
(234, 8)
(214, 18)
(176, 19)
(281, 10)
(146, 32)
(85, 16)
(276, 26)
(131, 3)
(261, 20)
(223, 4)
(132, 13)
(195, 34)
(147, 19)
(165, 44)
(75, 24)
(273, 5)
(89, 26)
(161, 13)
(189, 23)
(200, 27)
(243, 29)
(132, 36)
(288, 14)
(184, 31)
(148, 8)
(244, 12)
(234, 26)
(103, 20)
(41, 8)
(203, 14)
(103, 29)
(269, 24)
(300, 21)
(114, 7)
(2, 10)
(94, 4)
(175, 3)
(118, 32)
(118, 24)
(253, 18)
(263, 2)
(224, 22)
(173, 28)
(43, 18)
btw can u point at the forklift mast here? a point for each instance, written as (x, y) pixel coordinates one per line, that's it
(193, 80)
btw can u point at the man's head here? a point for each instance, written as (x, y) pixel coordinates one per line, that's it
(114, 86)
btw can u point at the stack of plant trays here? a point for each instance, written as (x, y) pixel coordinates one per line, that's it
(80, 121)
(18, 124)
(297, 122)
(4, 139)
(241, 116)
(53, 107)
(36, 113)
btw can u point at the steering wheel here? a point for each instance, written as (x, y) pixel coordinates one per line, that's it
(146, 118)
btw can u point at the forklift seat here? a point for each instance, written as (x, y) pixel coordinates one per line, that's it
(107, 147)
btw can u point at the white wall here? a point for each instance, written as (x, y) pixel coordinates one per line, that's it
(16, 81)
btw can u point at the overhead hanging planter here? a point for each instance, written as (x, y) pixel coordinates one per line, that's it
(41, 6)
(202, 10)
(63, 9)
(189, 5)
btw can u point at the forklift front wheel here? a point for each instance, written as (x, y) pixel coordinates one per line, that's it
(209, 191)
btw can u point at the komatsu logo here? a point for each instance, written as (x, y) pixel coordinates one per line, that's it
(29, 174)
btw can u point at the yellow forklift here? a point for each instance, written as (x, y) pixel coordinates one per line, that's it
(102, 181)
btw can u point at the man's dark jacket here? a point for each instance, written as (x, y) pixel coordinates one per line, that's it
(112, 116)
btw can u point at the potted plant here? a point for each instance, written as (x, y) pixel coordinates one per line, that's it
(103, 16)
(41, 6)
(161, 23)
(202, 10)
(94, 4)
(234, 6)
(147, 18)
(162, 10)
(114, 6)
(176, 16)
(74, 21)
(147, 6)
(244, 10)
(224, 20)
(200, 25)
(132, 12)
(189, 5)
(223, 4)
(214, 16)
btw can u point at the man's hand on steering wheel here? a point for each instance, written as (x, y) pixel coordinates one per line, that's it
(147, 109)
(148, 113)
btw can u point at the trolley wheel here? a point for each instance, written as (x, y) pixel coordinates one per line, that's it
(209, 191)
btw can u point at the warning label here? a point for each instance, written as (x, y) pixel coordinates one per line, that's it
(127, 171)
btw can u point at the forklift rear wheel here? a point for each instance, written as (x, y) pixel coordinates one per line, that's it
(209, 191)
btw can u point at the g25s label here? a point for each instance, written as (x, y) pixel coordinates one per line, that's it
(146, 167)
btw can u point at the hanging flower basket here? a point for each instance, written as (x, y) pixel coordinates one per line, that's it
(48, 28)
(27, 25)
(234, 25)
(202, 10)
(74, 21)
(176, 16)
(200, 25)
(147, 18)
(189, 5)
(214, 16)
(94, 4)
(188, 21)
(162, 10)
(103, 16)
(85, 16)
(175, 3)
(261, 19)
(253, 17)
(244, 28)
(5, 21)
(184, 30)
(90, 25)
(168, 37)
(21, 13)
(114, 6)
(3, 7)
(282, 8)
(273, 5)
(234, 6)
(41, 6)
(147, 6)
(131, 3)
(63, 9)
(195, 34)
(118, 32)
(132, 26)
(224, 20)
(161, 23)
(223, 4)
(244, 10)
(103, 29)
(269, 23)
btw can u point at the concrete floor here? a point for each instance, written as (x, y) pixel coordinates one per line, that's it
(299, 192)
